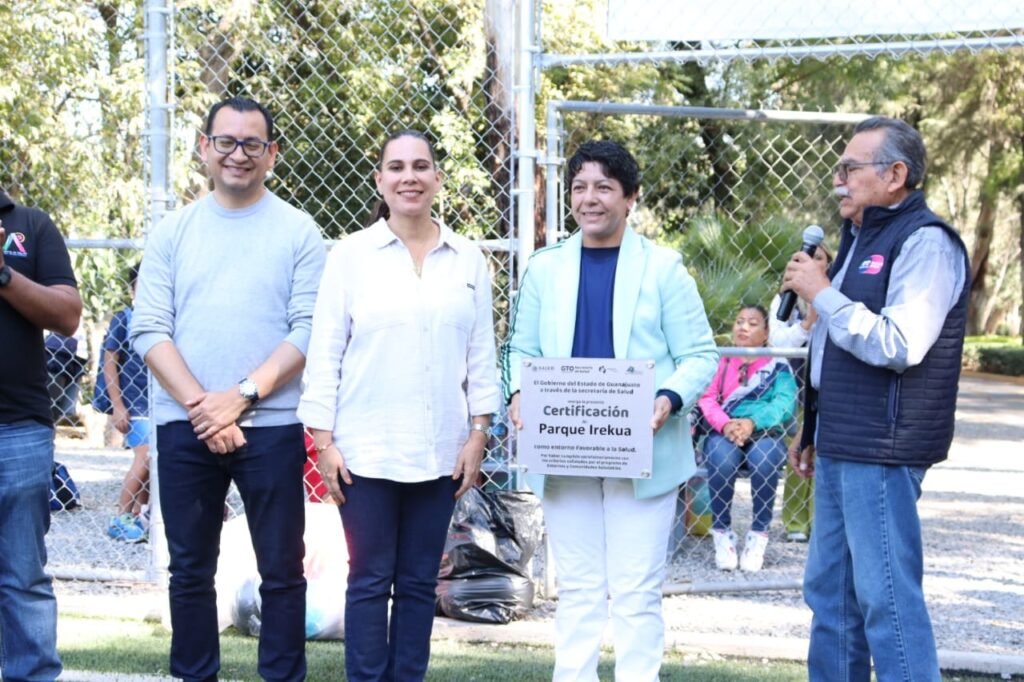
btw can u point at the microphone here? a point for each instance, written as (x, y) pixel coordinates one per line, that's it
(813, 236)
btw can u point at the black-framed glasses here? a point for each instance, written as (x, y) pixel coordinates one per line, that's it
(842, 170)
(253, 147)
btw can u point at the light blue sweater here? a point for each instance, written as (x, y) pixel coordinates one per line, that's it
(227, 286)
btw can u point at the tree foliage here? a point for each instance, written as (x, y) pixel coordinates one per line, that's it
(340, 74)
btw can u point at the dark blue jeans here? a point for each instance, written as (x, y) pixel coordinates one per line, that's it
(28, 610)
(395, 534)
(764, 457)
(193, 485)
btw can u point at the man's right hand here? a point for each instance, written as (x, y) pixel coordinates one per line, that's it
(226, 441)
(801, 461)
(122, 422)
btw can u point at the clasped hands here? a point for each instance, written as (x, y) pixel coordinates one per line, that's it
(738, 431)
(214, 416)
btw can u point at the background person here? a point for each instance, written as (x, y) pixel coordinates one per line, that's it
(749, 406)
(607, 292)
(797, 490)
(400, 385)
(884, 367)
(38, 291)
(66, 360)
(222, 318)
(127, 386)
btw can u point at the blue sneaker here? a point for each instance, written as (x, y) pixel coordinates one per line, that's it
(127, 529)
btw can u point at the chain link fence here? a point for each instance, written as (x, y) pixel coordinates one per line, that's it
(698, 92)
(338, 78)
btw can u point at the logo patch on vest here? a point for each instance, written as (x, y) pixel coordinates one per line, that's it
(872, 265)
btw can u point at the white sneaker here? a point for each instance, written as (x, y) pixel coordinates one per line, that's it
(725, 549)
(796, 536)
(753, 551)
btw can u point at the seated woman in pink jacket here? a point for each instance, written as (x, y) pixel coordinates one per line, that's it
(748, 407)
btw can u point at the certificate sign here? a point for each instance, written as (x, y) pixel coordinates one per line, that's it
(587, 417)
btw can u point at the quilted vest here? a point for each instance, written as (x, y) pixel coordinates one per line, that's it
(877, 415)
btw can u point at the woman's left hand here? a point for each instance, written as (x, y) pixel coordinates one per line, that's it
(468, 464)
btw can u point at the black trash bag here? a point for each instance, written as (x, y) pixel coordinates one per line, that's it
(245, 612)
(485, 599)
(484, 575)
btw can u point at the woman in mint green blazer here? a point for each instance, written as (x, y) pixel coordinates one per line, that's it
(609, 292)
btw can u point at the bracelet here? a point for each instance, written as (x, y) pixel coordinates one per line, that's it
(320, 448)
(480, 427)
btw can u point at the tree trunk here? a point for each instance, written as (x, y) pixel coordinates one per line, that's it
(497, 87)
(1020, 216)
(984, 231)
(712, 133)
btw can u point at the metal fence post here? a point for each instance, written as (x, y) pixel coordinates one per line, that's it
(159, 172)
(527, 137)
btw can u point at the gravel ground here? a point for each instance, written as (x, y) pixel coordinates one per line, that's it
(972, 510)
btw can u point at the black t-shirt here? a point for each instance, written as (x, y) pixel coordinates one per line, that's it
(33, 247)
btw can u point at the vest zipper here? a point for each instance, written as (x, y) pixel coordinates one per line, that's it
(894, 398)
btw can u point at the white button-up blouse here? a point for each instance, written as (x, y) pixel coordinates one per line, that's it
(397, 363)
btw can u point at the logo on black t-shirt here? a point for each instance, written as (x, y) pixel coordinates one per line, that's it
(15, 245)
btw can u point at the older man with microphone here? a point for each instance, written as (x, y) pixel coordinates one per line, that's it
(884, 364)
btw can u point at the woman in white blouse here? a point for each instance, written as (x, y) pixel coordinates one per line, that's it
(400, 385)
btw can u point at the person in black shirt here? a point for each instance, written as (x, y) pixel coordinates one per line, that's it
(37, 292)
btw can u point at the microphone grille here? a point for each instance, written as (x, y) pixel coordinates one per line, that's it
(813, 234)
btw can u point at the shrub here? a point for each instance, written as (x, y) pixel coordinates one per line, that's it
(995, 356)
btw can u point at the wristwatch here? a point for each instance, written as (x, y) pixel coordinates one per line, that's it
(5, 275)
(248, 390)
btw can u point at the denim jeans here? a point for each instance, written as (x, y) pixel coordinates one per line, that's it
(193, 487)
(28, 609)
(863, 576)
(764, 457)
(396, 534)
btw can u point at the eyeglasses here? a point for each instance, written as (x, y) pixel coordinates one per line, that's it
(843, 167)
(252, 147)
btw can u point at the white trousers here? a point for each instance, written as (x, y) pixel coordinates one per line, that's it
(607, 544)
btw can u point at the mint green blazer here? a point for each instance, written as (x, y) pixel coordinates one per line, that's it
(657, 315)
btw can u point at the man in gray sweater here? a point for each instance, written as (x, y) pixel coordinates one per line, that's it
(222, 317)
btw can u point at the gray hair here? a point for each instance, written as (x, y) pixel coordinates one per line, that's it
(901, 143)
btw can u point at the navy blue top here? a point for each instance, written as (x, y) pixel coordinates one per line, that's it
(131, 370)
(593, 337)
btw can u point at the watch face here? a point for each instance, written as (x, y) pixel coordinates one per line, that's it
(247, 387)
(5, 275)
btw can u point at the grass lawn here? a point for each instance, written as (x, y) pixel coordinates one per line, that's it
(132, 647)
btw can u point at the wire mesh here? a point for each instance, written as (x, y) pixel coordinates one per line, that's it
(337, 76)
(732, 195)
(745, 490)
(748, 30)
